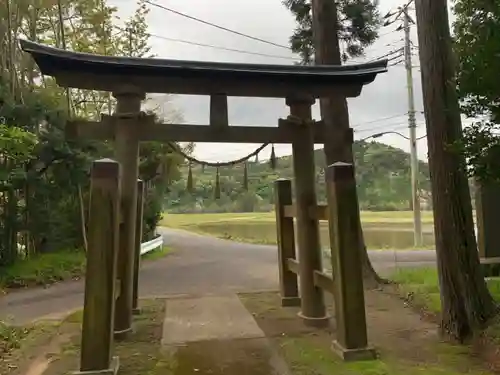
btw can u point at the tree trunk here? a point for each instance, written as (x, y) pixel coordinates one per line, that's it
(465, 300)
(334, 110)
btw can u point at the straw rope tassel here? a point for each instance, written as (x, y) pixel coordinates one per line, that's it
(190, 185)
(245, 176)
(217, 185)
(272, 160)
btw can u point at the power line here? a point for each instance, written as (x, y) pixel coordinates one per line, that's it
(379, 119)
(163, 7)
(395, 127)
(371, 59)
(387, 54)
(215, 25)
(215, 47)
(395, 57)
(379, 126)
(389, 32)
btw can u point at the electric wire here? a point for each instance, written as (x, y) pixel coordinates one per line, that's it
(160, 6)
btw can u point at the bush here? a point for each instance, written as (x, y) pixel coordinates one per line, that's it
(10, 337)
(44, 269)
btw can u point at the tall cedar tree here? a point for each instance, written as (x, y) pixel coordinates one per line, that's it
(357, 29)
(332, 32)
(465, 301)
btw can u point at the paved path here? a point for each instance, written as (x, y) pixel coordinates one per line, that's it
(217, 335)
(199, 265)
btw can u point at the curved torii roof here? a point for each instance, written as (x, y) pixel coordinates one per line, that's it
(151, 75)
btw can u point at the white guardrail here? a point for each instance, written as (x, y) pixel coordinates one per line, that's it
(155, 243)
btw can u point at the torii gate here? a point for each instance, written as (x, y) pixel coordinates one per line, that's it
(130, 79)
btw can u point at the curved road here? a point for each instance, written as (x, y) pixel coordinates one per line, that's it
(198, 265)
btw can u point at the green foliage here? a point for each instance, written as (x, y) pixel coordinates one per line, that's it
(10, 337)
(359, 21)
(44, 269)
(477, 48)
(421, 285)
(136, 38)
(158, 168)
(152, 213)
(156, 254)
(383, 176)
(44, 178)
(17, 147)
(481, 146)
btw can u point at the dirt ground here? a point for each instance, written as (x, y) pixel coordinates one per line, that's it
(142, 353)
(406, 343)
(30, 343)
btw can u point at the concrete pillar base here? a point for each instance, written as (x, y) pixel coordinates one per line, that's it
(320, 322)
(123, 334)
(351, 355)
(112, 370)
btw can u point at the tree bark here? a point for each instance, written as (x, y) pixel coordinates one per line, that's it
(465, 299)
(334, 110)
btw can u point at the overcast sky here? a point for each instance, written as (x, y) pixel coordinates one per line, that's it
(386, 98)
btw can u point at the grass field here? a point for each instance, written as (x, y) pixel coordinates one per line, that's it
(382, 230)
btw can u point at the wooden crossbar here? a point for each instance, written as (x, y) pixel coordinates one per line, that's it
(289, 211)
(323, 281)
(218, 132)
(319, 212)
(293, 265)
(492, 260)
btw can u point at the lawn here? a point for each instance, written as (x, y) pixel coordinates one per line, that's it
(406, 344)
(420, 288)
(382, 230)
(46, 269)
(422, 285)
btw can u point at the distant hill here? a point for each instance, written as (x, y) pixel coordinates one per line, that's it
(382, 174)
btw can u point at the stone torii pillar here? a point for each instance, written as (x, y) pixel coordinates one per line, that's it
(126, 121)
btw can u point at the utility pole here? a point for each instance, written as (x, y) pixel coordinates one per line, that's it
(412, 125)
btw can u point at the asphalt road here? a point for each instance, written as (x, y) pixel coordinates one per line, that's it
(198, 265)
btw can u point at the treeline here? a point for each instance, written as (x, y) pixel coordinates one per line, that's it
(44, 178)
(382, 173)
